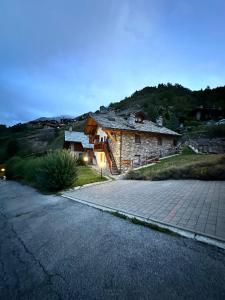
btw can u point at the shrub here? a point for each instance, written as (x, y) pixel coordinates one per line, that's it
(202, 171)
(187, 150)
(213, 169)
(12, 148)
(216, 131)
(134, 175)
(52, 172)
(81, 162)
(57, 171)
(14, 168)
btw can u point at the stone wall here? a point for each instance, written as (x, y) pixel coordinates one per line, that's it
(206, 145)
(138, 153)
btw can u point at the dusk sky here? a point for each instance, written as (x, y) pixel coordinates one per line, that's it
(71, 56)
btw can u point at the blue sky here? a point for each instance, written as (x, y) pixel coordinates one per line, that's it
(71, 56)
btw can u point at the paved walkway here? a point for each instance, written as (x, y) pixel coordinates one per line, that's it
(191, 204)
(52, 248)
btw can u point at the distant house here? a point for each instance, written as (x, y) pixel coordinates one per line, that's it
(206, 113)
(78, 144)
(124, 142)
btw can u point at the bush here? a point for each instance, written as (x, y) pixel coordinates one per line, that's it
(52, 172)
(135, 175)
(12, 148)
(14, 168)
(216, 131)
(201, 171)
(57, 171)
(81, 162)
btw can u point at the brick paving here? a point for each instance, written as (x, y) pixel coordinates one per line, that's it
(195, 205)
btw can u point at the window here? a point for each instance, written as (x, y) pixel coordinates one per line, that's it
(137, 139)
(175, 142)
(159, 141)
(137, 160)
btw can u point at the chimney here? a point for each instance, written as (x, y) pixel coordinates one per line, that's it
(159, 121)
(103, 109)
(131, 119)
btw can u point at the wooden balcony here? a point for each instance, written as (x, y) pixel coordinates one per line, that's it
(99, 146)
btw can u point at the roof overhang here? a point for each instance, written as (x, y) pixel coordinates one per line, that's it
(90, 126)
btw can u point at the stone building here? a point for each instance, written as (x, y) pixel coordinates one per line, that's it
(121, 143)
(78, 144)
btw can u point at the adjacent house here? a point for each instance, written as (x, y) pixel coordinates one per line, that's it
(207, 113)
(78, 144)
(124, 142)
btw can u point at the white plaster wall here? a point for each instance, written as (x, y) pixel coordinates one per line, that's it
(101, 133)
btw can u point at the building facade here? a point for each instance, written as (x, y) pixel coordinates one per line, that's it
(121, 143)
(78, 145)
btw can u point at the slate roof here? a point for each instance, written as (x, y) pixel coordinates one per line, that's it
(73, 136)
(118, 122)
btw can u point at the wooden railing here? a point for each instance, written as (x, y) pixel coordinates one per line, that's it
(100, 146)
(104, 147)
(107, 154)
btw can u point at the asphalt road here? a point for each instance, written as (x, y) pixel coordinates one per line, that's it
(54, 248)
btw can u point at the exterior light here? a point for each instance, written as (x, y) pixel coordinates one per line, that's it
(85, 158)
(2, 169)
(101, 165)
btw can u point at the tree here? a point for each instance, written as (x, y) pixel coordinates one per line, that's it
(12, 148)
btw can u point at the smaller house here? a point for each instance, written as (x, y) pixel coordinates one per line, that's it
(78, 144)
(206, 113)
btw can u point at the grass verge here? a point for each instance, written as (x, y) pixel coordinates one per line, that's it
(88, 175)
(187, 165)
(145, 224)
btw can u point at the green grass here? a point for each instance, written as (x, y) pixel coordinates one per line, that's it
(187, 165)
(88, 175)
(52, 172)
(143, 223)
(178, 161)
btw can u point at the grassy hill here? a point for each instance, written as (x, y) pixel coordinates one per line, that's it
(173, 102)
(24, 140)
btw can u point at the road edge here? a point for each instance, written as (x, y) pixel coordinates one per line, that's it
(198, 236)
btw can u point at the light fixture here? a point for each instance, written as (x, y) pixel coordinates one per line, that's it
(101, 165)
(85, 158)
(2, 169)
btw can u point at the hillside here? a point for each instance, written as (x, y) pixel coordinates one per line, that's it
(173, 102)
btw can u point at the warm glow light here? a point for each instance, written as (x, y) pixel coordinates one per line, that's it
(85, 158)
(2, 170)
(101, 164)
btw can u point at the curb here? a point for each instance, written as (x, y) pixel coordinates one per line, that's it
(89, 184)
(198, 236)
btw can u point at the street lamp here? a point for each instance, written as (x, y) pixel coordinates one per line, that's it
(85, 158)
(101, 165)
